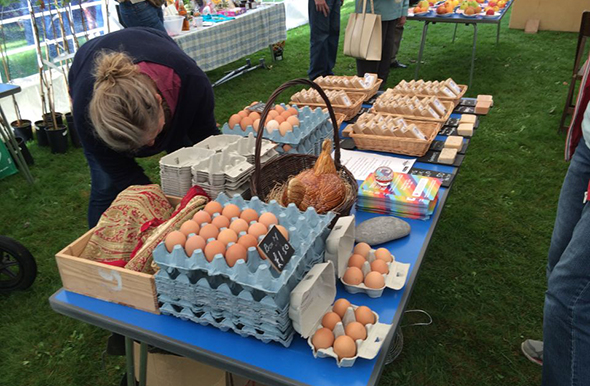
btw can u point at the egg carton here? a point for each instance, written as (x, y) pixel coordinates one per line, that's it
(220, 168)
(339, 247)
(312, 298)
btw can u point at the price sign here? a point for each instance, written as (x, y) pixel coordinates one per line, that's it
(276, 249)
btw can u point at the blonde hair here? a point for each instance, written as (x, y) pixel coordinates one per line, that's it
(124, 109)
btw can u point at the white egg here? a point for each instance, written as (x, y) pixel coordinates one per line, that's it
(272, 126)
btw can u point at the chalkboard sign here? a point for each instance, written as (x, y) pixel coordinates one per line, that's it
(276, 249)
(447, 178)
(258, 107)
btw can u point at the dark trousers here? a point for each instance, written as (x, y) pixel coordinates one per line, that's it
(397, 40)
(381, 67)
(323, 39)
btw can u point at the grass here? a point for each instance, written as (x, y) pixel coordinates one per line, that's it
(483, 276)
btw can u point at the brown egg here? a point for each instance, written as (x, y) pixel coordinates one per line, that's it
(249, 215)
(227, 236)
(279, 109)
(279, 119)
(231, 211)
(294, 121)
(362, 249)
(268, 219)
(213, 207)
(239, 225)
(340, 307)
(244, 113)
(272, 114)
(257, 230)
(234, 253)
(383, 254)
(286, 115)
(284, 128)
(201, 217)
(255, 125)
(234, 120)
(194, 243)
(293, 111)
(287, 148)
(248, 241)
(246, 122)
(253, 103)
(220, 222)
(330, 320)
(214, 248)
(283, 231)
(189, 227)
(254, 115)
(174, 238)
(353, 276)
(379, 266)
(375, 280)
(344, 347)
(356, 331)
(272, 125)
(356, 260)
(364, 315)
(323, 338)
(209, 231)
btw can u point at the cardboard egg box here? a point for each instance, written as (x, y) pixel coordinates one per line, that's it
(313, 298)
(339, 247)
(175, 169)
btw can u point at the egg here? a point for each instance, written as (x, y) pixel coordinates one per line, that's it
(330, 320)
(268, 219)
(234, 253)
(383, 254)
(248, 241)
(174, 238)
(253, 103)
(193, 243)
(353, 276)
(286, 115)
(293, 111)
(254, 115)
(189, 227)
(362, 249)
(272, 114)
(246, 122)
(294, 121)
(379, 266)
(209, 231)
(323, 338)
(234, 120)
(344, 347)
(340, 307)
(220, 221)
(279, 119)
(255, 125)
(227, 236)
(287, 148)
(272, 126)
(213, 207)
(257, 229)
(239, 225)
(356, 331)
(244, 113)
(249, 215)
(364, 315)
(284, 128)
(283, 231)
(375, 280)
(213, 249)
(201, 217)
(231, 211)
(279, 109)
(356, 260)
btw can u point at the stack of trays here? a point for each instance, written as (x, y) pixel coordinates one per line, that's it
(250, 298)
(175, 169)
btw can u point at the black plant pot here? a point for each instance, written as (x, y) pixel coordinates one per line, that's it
(72, 130)
(24, 130)
(49, 121)
(58, 139)
(25, 151)
(41, 134)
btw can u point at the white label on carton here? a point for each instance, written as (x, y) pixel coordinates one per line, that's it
(439, 106)
(447, 92)
(370, 80)
(453, 86)
(418, 133)
(433, 113)
(110, 276)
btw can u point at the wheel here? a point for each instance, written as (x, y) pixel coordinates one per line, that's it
(18, 268)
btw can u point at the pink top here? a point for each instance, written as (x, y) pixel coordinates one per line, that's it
(166, 80)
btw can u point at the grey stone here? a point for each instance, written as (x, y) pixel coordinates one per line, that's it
(378, 230)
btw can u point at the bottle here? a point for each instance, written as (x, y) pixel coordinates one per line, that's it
(182, 12)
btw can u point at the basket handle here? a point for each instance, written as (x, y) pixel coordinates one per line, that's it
(266, 110)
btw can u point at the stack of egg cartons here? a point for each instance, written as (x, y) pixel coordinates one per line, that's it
(175, 169)
(251, 298)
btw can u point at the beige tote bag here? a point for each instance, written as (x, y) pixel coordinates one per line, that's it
(362, 38)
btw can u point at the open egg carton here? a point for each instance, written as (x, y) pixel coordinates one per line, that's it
(175, 169)
(313, 298)
(314, 127)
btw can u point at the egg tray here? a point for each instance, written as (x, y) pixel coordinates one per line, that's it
(311, 145)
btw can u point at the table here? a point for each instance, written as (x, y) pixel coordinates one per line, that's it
(433, 17)
(226, 42)
(250, 357)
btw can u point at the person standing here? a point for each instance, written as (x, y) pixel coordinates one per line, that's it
(142, 13)
(397, 40)
(324, 26)
(393, 12)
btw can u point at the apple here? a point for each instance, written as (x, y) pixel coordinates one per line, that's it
(441, 10)
(492, 3)
(490, 12)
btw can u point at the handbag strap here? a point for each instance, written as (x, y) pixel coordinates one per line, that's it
(364, 11)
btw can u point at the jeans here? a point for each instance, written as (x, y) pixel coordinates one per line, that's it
(102, 191)
(141, 15)
(566, 315)
(382, 67)
(323, 39)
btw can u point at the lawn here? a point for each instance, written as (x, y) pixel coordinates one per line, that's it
(483, 276)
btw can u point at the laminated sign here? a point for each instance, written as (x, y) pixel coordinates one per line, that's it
(7, 167)
(276, 249)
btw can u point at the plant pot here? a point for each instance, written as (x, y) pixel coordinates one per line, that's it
(58, 139)
(49, 121)
(40, 133)
(24, 130)
(25, 151)
(72, 130)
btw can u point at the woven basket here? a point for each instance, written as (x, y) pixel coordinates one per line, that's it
(448, 105)
(278, 171)
(455, 101)
(350, 112)
(390, 144)
(368, 93)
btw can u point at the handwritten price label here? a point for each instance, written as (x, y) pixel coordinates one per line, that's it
(276, 249)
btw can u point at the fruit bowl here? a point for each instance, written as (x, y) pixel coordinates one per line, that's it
(462, 13)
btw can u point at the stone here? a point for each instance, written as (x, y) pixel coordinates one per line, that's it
(379, 230)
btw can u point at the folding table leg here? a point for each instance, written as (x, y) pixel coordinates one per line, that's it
(498, 33)
(424, 32)
(143, 364)
(12, 146)
(473, 54)
(130, 364)
(455, 32)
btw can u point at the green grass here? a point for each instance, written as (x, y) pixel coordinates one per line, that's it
(482, 279)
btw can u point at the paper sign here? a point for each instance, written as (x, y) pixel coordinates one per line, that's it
(276, 249)
(362, 164)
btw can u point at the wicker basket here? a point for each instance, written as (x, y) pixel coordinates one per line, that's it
(448, 105)
(368, 93)
(350, 112)
(390, 144)
(266, 178)
(455, 101)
